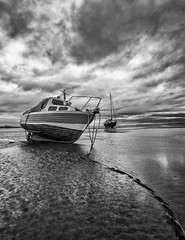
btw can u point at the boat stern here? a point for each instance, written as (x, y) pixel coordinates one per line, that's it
(23, 120)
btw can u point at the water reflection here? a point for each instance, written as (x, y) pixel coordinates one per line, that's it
(162, 159)
(156, 157)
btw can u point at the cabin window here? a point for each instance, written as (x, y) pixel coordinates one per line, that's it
(57, 102)
(52, 108)
(63, 108)
(44, 103)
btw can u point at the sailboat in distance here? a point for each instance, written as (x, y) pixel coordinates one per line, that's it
(111, 122)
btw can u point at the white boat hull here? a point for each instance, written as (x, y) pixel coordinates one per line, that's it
(65, 127)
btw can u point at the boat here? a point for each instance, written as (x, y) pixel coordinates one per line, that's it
(111, 122)
(57, 119)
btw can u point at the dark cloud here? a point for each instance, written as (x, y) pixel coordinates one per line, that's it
(29, 86)
(108, 24)
(178, 6)
(177, 79)
(102, 26)
(20, 23)
(47, 37)
(180, 96)
(15, 17)
(6, 77)
(50, 39)
(150, 84)
(105, 26)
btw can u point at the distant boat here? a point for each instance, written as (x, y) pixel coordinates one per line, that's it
(111, 122)
(56, 119)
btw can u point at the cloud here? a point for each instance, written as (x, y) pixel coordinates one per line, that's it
(12, 53)
(108, 25)
(133, 49)
(15, 17)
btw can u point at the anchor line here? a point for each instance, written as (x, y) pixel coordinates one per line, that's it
(93, 133)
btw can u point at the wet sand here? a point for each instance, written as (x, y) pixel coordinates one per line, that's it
(55, 191)
(155, 156)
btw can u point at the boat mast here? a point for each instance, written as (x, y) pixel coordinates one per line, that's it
(111, 105)
(113, 115)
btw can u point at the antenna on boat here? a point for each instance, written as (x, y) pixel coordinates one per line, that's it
(64, 92)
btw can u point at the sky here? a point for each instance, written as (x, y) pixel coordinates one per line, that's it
(133, 49)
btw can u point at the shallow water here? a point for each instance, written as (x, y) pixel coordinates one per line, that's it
(41, 181)
(155, 156)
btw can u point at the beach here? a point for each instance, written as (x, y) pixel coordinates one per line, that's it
(119, 190)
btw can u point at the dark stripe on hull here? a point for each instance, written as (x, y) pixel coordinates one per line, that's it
(56, 133)
(60, 117)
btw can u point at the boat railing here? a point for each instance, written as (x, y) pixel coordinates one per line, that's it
(88, 101)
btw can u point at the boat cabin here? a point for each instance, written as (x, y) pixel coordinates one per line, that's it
(52, 104)
(56, 104)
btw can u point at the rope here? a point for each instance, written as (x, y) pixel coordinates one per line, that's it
(93, 133)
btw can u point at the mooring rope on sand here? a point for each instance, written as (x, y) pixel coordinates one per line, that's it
(171, 216)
